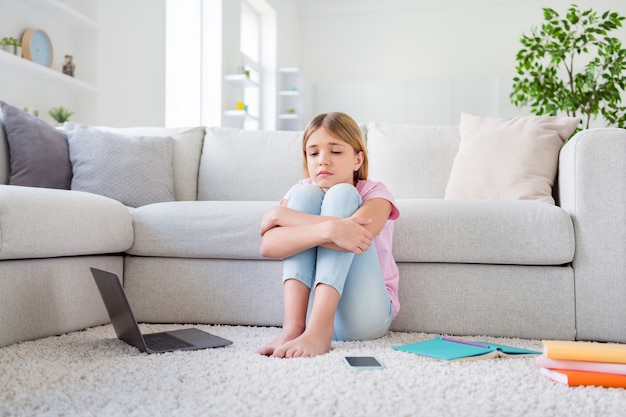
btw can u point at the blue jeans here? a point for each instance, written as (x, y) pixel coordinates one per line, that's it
(364, 311)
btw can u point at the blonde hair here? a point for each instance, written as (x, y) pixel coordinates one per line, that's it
(340, 126)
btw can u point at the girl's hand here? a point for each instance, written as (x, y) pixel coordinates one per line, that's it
(269, 220)
(350, 235)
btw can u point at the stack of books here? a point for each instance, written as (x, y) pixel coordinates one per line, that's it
(584, 363)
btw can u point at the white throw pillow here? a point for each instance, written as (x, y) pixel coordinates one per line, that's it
(508, 159)
(413, 161)
(186, 160)
(249, 165)
(134, 170)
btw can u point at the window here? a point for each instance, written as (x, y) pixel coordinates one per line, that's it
(201, 51)
(250, 46)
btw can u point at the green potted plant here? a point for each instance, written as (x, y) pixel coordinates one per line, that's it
(5, 44)
(572, 65)
(60, 114)
(11, 45)
(17, 46)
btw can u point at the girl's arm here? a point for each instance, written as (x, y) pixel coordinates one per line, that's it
(376, 209)
(287, 232)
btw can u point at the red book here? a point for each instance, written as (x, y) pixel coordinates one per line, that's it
(575, 378)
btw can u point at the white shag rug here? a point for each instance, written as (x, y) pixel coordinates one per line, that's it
(91, 373)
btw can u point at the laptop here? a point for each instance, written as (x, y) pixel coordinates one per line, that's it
(127, 329)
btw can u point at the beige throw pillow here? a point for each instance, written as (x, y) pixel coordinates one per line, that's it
(508, 159)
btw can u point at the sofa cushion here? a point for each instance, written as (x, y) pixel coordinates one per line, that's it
(39, 155)
(202, 229)
(249, 165)
(513, 232)
(412, 161)
(187, 149)
(513, 158)
(45, 223)
(5, 164)
(135, 170)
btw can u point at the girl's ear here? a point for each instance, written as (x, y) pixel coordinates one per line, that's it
(358, 160)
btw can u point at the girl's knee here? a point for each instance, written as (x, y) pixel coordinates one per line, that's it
(306, 198)
(344, 190)
(341, 200)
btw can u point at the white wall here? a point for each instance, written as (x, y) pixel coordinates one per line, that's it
(131, 59)
(418, 61)
(288, 33)
(412, 61)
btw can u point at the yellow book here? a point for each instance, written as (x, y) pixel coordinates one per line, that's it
(585, 351)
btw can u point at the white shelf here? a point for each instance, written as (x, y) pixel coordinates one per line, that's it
(60, 11)
(24, 66)
(293, 70)
(239, 113)
(74, 31)
(289, 101)
(289, 93)
(241, 80)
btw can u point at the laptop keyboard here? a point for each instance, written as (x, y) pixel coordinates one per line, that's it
(163, 342)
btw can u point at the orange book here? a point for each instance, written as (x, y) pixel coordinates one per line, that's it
(585, 351)
(575, 378)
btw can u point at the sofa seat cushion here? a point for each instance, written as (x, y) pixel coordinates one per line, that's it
(516, 232)
(200, 229)
(45, 223)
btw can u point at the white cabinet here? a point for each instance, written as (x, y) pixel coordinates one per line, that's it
(289, 101)
(36, 87)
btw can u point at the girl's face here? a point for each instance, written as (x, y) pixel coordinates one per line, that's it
(330, 160)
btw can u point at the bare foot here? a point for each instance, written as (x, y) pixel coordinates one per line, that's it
(307, 345)
(285, 335)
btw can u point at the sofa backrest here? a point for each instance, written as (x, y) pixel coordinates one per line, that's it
(413, 161)
(250, 165)
(217, 163)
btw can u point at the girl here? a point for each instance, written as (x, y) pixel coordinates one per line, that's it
(333, 230)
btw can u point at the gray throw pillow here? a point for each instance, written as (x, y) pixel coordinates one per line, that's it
(38, 152)
(135, 170)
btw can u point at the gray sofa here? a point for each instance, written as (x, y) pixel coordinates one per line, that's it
(467, 267)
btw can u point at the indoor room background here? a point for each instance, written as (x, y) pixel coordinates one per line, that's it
(397, 61)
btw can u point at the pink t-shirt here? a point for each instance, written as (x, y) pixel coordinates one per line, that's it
(369, 190)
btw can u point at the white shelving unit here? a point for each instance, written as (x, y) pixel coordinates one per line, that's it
(36, 87)
(289, 101)
(241, 88)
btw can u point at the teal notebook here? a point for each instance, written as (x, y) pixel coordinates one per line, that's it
(455, 349)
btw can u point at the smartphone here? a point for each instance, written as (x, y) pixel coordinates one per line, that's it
(362, 362)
